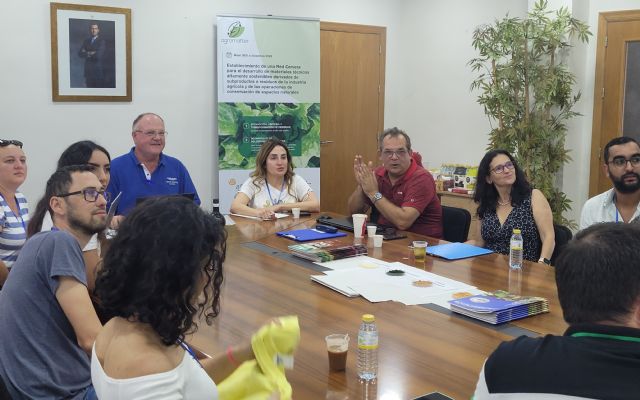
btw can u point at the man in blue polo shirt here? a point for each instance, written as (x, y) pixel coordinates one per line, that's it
(145, 171)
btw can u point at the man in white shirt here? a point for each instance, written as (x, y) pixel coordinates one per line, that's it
(622, 202)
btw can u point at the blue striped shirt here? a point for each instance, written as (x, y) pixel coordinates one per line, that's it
(13, 229)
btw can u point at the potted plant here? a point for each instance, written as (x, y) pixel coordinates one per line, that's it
(527, 92)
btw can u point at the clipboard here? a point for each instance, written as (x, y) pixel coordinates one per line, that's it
(305, 235)
(457, 251)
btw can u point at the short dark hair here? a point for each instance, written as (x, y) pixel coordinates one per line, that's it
(615, 142)
(58, 183)
(598, 273)
(486, 195)
(139, 117)
(154, 267)
(394, 132)
(80, 153)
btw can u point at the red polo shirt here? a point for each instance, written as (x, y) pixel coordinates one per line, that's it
(416, 189)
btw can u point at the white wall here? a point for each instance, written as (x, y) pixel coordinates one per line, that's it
(173, 75)
(435, 105)
(427, 79)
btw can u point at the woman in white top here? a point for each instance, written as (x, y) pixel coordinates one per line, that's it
(273, 186)
(162, 269)
(14, 210)
(97, 157)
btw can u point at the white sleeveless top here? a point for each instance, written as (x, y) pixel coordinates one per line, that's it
(186, 381)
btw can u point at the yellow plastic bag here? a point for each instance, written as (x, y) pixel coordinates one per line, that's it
(260, 378)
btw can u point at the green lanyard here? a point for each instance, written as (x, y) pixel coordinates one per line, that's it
(605, 336)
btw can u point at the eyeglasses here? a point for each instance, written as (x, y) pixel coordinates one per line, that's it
(500, 169)
(621, 162)
(398, 153)
(90, 194)
(5, 143)
(151, 134)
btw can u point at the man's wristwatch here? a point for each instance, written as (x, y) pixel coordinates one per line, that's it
(376, 196)
(543, 260)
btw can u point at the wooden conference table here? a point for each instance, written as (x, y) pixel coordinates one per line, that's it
(422, 349)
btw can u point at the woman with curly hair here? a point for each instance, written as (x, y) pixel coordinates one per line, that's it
(506, 202)
(163, 268)
(273, 186)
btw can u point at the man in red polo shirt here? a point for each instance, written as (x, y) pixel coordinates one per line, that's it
(402, 191)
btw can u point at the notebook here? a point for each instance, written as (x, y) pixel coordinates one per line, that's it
(499, 307)
(304, 235)
(456, 251)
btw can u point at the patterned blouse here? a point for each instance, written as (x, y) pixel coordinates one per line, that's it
(497, 237)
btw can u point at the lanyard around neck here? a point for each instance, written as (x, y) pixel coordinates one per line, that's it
(273, 203)
(606, 336)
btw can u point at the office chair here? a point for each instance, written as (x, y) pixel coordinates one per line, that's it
(455, 224)
(563, 235)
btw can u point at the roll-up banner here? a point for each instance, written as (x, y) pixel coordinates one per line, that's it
(268, 86)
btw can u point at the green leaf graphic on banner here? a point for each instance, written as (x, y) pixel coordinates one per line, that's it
(227, 119)
(236, 29)
(247, 125)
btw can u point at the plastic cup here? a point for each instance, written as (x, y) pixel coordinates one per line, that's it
(419, 250)
(359, 221)
(295, 212)
(337, 348)
(371, 230)
(377, 240)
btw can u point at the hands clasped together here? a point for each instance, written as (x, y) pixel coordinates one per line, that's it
(365, 176)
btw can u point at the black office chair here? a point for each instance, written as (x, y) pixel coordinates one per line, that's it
(563, 236)
(455, 224)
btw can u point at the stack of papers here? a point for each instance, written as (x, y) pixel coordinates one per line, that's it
(499, 307)
(378, 280)
(277, 216)
(327, 251)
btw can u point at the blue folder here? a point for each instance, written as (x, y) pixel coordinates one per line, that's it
(456, 251)
(304, 235)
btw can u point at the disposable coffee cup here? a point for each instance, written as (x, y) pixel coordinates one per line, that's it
(295, 212)
(377, 240)
(359, 221)
(337, 348)
(419, 250)
(371, 230)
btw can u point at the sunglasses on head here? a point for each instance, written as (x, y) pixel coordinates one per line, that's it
(5, 143)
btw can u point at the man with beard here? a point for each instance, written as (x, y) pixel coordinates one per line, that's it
(622, 202)
(47, 318)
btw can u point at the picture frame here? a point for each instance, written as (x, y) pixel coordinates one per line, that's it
(90, 53)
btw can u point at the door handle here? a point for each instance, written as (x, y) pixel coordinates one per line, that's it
(326, 141)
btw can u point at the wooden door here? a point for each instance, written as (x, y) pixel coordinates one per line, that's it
(617, 88)
(352, 59)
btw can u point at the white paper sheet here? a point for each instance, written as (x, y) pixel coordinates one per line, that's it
(277, 215)
(368, 277)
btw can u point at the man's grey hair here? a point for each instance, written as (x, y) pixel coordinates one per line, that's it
(394, 132)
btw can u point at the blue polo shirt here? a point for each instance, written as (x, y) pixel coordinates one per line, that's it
(128, 177)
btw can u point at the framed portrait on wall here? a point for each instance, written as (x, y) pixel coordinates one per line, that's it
(90, 53)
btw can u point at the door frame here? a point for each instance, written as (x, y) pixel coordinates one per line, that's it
(604, 18)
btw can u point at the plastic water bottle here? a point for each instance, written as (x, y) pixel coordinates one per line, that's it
(216, 212)
(368, 348)
(515, 250)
